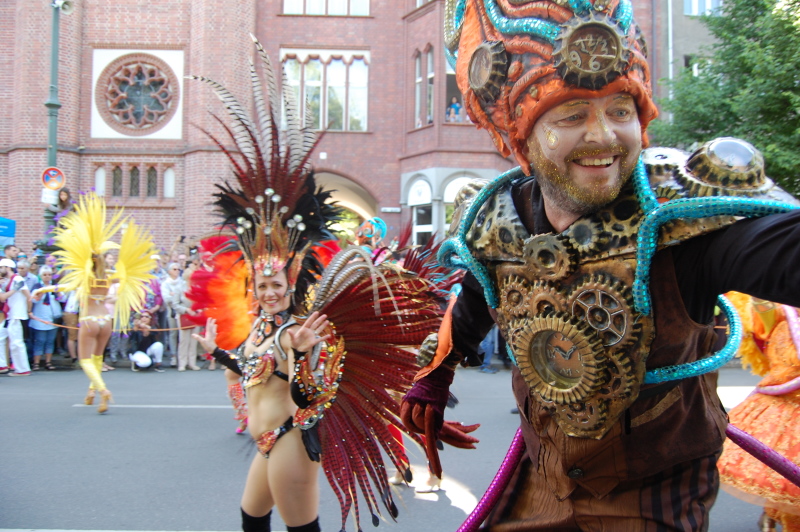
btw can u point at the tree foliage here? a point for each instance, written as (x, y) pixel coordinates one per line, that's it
(748, 86)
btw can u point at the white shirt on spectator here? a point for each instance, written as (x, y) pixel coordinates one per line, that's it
(18, 303)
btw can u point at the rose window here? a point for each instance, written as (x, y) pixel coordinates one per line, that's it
(137, 94)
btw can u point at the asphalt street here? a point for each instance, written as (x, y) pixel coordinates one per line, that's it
(166, 457)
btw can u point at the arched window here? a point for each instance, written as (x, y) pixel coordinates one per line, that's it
(419, 199)
(133, 191)
(449, 196)
(100, 181)
(169, 183)
(116, 181)
(331, 87)
(152, 182)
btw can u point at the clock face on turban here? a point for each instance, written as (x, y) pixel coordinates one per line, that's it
(593, 49)
(591, 54)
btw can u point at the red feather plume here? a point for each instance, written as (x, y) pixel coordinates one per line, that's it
(221, 290)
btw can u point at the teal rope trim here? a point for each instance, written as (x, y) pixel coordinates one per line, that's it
(452, 58)
(712, 363)
(624, 15)
(510, 353)
(641, 186)
(647, 242)
(454, 252)
(580, 6)
(535, 27)
(461, 6)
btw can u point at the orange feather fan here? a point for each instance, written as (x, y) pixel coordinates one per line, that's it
(222, 290)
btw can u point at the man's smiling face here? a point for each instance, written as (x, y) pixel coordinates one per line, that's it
(584, 150)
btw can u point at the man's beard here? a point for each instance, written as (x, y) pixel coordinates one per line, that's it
(559, 187)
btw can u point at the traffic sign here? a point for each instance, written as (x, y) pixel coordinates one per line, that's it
(53, 178)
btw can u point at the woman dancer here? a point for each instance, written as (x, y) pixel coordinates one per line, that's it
(83, 237)
(266, 359)
(305, 403)
(770, 347)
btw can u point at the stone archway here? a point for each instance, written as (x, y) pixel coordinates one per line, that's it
(349, 194)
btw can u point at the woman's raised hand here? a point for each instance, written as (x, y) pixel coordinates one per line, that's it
(209, 339)
(309, 334)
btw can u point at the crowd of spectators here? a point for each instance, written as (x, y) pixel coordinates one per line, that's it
(38, 322)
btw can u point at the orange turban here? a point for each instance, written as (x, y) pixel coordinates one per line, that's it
(515, 59)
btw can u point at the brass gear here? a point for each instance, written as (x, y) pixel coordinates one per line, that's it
(582, 419)
(545, 298)
(661, 161)
(586, 235)
(514, 295)
(667, 193)
(619, 379)
(559, 356)
(606, 305)
(550, 257)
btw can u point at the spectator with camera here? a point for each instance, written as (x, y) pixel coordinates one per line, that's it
(145, 344)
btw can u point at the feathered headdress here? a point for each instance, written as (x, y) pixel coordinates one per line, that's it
(275, 212)
(83, 236)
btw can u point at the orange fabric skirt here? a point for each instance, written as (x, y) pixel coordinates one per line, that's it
(774, 421)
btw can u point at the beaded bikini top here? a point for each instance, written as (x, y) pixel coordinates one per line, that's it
(574, 307)
(259, 367)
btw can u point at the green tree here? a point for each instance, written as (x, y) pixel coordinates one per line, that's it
(748, 86)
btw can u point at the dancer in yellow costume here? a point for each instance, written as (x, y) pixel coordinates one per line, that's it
(83, 238)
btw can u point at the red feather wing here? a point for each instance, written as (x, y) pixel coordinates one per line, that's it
(377, 370)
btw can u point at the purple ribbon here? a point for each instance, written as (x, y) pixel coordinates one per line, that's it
(499, 483)
(771, 458)
(780, 389)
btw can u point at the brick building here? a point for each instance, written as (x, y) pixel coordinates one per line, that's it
(373, 70)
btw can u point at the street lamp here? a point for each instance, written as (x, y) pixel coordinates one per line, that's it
(53, 105)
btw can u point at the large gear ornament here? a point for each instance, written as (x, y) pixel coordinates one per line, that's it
(559, 356)
(591, 51)
(607, 306)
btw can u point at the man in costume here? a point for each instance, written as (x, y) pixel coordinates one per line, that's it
(601, 264)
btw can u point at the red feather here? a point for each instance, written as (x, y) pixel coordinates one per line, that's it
(221, 290)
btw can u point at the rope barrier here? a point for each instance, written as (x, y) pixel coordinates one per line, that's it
(61, 326)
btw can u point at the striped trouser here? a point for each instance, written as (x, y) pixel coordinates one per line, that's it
(677, 499)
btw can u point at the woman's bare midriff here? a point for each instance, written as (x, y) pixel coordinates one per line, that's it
(269, 403)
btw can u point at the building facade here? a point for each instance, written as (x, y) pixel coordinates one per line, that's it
(397, 145)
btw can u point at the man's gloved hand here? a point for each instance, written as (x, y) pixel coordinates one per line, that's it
(422, 411)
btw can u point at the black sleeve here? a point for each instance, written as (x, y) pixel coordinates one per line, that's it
(134, 341)
(225, 358)
(760, 257)
(472, 320)
(298, 396)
